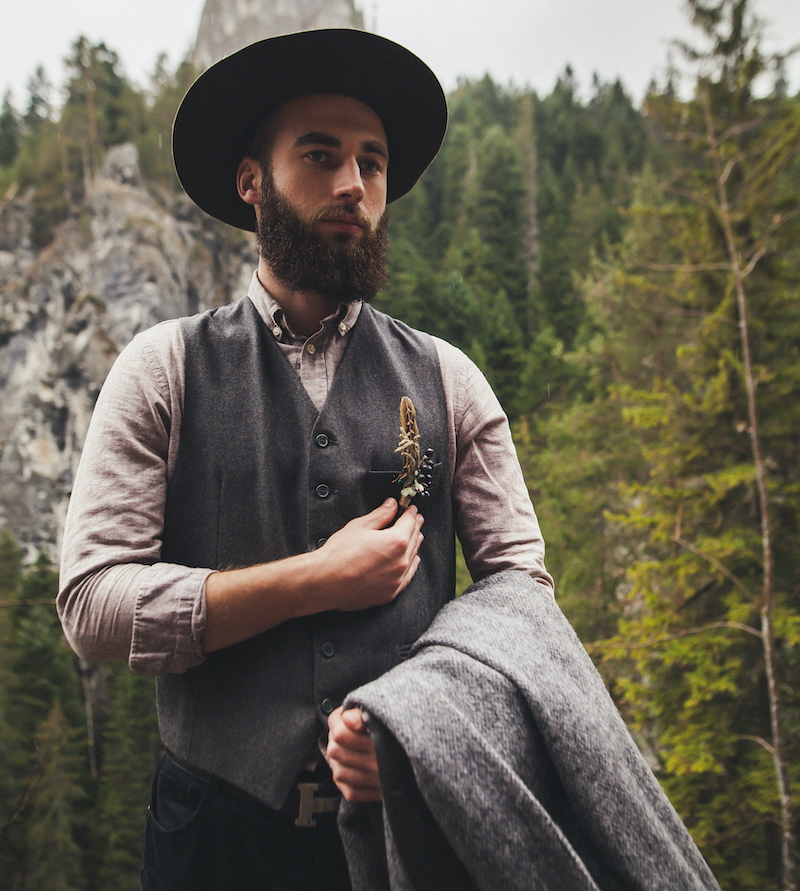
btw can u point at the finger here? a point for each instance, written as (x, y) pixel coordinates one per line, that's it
(360, 796)
(356, 779)
(410, 560)
(361, 761)
(346, 745)
(353, 748)
(358, 789)
(359, 782)
(414, 543)
(409, 574)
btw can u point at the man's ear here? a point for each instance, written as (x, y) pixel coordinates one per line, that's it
(248, 180)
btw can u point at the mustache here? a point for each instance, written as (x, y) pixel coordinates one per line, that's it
(350, 213)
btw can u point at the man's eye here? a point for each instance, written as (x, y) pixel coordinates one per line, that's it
(368, 165)
(316, 155)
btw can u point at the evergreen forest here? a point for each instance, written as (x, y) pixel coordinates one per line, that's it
(628, 278)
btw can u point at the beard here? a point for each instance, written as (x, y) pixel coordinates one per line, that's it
(344, 269)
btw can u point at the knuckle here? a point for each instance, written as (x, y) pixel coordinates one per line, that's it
(396, 548)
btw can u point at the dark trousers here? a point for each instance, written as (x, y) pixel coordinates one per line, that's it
(204, 835)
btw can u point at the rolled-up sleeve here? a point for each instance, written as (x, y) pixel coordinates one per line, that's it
(117, 600)
(495, 518)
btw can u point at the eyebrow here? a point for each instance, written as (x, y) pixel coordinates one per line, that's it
(371, 146)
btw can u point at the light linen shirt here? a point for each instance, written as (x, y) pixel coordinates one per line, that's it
(118, 600)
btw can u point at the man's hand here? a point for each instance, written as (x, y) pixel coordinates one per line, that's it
(368, 563)
(352, 756)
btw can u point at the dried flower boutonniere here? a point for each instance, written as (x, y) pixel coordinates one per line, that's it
(416, 474)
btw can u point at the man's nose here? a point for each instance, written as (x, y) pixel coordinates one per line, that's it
(348, 184)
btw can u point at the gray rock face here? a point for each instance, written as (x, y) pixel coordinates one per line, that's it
(125, 261)
(228, 25)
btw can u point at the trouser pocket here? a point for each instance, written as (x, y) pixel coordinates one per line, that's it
(176, 831)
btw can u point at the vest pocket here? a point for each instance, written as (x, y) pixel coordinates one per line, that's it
(381, 484)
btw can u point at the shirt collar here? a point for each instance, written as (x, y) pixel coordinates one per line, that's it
(342, 321)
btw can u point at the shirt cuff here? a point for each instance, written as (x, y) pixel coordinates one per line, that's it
(169, 620)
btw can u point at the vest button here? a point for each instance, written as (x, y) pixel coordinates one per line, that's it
(322, 490)
(327, 650)
(322, 440)
(321, 542)
(327, 706)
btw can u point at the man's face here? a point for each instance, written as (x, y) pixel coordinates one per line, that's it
(322, 211)
(329, 152)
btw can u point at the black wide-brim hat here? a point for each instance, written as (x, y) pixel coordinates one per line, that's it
(225, 105)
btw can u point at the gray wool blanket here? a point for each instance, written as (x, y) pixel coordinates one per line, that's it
(505, 764)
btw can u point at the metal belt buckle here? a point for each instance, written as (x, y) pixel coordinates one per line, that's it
(309, 805)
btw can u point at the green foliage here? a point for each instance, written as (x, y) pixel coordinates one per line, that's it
(41, 727)
(666, 386)
(488, 250)
(39, 108)
(575, 461)
(43, 665)
(59, 153)
(154, 140)
(54, 856)
(10, 132)
(101, 108)
(10, 565)
(132, 747)
(588, 155)
(61, 828)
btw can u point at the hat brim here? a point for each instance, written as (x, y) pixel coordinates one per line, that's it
(225, 104)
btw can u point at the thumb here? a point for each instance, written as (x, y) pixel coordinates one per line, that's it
(354, 720)
(382, 515)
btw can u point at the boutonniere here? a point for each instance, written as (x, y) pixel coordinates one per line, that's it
(416, 474)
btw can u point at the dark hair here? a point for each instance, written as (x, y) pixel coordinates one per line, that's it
(259, 143)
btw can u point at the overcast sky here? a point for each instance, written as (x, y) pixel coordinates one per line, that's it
(527, 42)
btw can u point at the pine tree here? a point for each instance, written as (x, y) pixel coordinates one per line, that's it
(101, 108)
(55, 859)
(10, 566)
(10, 132)
(712, 607)
(131, 747)
(13, 793)
(46, 757)
(154, 137)
(39, 108)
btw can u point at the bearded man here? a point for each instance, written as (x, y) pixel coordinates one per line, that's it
(234, 528)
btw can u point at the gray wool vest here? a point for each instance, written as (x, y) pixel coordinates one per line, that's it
(261, 475)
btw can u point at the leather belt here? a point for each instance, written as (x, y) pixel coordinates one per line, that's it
(315, 794)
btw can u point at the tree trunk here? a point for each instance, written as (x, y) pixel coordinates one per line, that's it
(721, 174)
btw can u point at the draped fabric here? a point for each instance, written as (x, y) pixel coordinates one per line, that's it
(505, 764)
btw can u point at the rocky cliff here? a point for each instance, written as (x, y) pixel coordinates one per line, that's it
(125, 260)
(228, 25)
